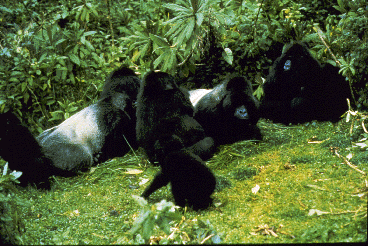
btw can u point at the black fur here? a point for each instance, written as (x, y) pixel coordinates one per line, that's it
(298, 89)
(228, 112)
(170, 135)
(23, 153)
(164, 110)
(98, 132)
(191, 180)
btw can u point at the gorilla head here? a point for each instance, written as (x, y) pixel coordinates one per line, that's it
(296, 68)
(228, 112)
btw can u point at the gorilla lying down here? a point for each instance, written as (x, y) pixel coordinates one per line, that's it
(93, 135)
(298, 89)
(170, 135)
(228, 112)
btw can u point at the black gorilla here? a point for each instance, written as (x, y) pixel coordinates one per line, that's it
(170, 135)
(298, 89)
(23, 153)
(168, 115)
(191, 180)
(98, 132)
(228, 112)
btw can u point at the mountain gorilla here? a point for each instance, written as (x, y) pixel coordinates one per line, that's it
(23, 153)
(99, 132)
(298, 89)
(228, 112)
(170, 135)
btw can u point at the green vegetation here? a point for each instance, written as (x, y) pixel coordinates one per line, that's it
(294, 186)
(306, 194)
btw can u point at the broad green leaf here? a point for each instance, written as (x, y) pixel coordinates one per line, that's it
(24, 86)
(74, 59)
(180, 38)
(189, 30)
(177, 8)
(199, 17)
(159, 41)
(5, 171)
(16, 174)
(180, 30)
(177, 27)
(89, 45)
(176, 19)
(89, 33)
(44, 55)
(169, 62)
(228, 56)
(159, 60)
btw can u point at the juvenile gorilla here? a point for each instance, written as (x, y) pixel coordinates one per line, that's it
(170, 135)
(23, 153)
(228, 112)
(98, 132)
(298, 89)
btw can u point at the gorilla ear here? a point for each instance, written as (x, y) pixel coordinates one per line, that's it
(241, 113)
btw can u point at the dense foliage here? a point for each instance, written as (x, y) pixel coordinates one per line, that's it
(55, 54)
(11, 225)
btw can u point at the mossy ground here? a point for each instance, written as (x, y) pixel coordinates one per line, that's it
(294, 167)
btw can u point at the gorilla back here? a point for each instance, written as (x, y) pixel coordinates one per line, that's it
(98, 132)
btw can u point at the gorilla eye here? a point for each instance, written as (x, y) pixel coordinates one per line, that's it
(241, 113)
(287, 65)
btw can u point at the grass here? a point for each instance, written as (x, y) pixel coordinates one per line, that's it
(294, 167)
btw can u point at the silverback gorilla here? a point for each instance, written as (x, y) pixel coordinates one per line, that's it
(95, 134)
(170, 135)
(228, 112)
(298, 89)
(98, 132)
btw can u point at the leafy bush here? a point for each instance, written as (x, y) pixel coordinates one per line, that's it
(11, 225)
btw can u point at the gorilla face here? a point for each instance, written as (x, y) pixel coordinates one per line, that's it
(287, 65)
(241, 113)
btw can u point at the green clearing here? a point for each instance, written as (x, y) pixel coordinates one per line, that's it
(294, 166)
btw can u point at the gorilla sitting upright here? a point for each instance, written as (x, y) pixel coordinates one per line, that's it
(228, 112)
(99, 132)
(170, 135)
(298, 89)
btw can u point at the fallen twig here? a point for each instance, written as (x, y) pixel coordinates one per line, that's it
(204, 240)
(348, 163)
